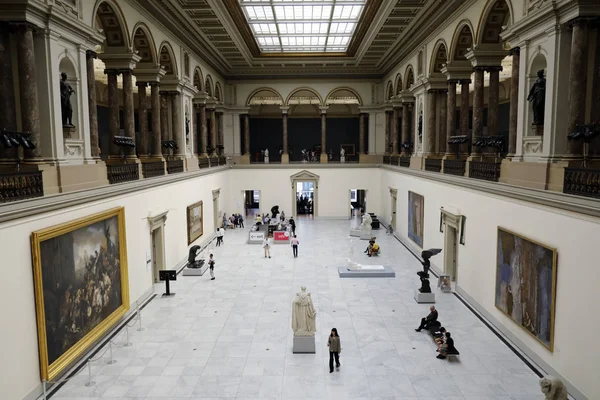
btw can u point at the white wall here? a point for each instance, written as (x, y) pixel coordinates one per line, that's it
(333, 193)
(19, 373)
(575, 238)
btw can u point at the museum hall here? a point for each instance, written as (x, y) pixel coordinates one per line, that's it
(299, 199)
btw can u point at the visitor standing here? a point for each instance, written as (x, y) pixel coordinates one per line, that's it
(219, 236)
(211, 266)
(335, 348)
(267, 245)
(295, 242)
(241, 220)
(293, 225)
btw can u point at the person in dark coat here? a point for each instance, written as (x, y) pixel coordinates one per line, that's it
(432, 317)
(447, 348)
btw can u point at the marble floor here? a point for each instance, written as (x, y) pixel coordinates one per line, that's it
(231, 337)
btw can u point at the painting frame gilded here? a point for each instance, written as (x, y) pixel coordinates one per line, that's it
(190, 214)
(49, 371)
(416, 218)
(551, 256)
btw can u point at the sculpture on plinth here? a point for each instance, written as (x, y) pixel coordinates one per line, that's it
(366, 227)
(424, 275)
(553, 388)
(303, 314)
(537, 97)
(65, 101)
(342, 155)
(266, 156)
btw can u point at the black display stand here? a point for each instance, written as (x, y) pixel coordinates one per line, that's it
(167, 276)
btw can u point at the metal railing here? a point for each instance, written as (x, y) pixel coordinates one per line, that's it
(485, 170)
(454, 167)
(120, 173)
(387, 159)
(582, 182)
(214, 161)
(153, 169)
(203, 162)
(16, 186)
(404, 161)
(433, 164)
(174, 166)
(222, 160)
(395, 160)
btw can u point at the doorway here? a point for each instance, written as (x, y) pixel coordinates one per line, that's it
(393, 202)
(216, 211)
(251, 202)
(450, 243)
(157, 243)
(305, 194)
(358, 202)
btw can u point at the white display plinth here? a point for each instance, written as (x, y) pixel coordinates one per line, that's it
(424, 297)
(355, 232)
(365, 235)
(304, 345)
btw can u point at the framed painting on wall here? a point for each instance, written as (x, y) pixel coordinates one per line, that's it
(81, 286)
(195, 222)
(348, 149)
(526, 284)
(416, 208)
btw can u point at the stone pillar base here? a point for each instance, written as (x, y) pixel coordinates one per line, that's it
(370, 159)
(285, 158)
(243, 159)
(191, 163)
(526, 174)
(50, 175)
(323, 159)
(416, 162)
(79, 177)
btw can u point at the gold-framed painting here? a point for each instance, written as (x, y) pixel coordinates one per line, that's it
(81, 286)
(195, 221)
(526, 284)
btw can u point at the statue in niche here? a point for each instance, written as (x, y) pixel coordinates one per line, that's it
(420, 126)
(303, 314)
(553, 388)
(537, 97)
(65, 101)
(187, 129)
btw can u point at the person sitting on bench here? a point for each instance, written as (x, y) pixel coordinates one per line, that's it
(432, 317)
(447, 348)
(371, 243)
(373, 249)
(439, 337)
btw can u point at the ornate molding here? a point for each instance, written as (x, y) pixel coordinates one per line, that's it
(533, 144)
(216, 193)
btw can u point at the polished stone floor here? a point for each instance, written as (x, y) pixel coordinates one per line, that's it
(231, 337)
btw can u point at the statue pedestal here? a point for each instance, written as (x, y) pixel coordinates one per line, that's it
(424, 297)
(187, 271)
(365, 235)
(304, 345)
(355, 232)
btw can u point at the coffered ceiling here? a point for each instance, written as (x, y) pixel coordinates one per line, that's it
(385, 32)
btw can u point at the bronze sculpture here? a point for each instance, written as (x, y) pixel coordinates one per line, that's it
(537, 97)
(65, 101)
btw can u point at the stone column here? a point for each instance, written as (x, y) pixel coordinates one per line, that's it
(443, 111)
(477, 109)
(285, 157)
(450, 115)
(494, 99)
(431, 118)
(213, 131)
(247, 135)
(143, 144)
(128, 110)
(8, 116)
(464, 113)
(395, 139)
(361, 133)
(93, 111)
(388, 119)
(156, 126)
(323, 157)
(219, 116)
(514, 102)
(203, 130)
(113, 110)
(178, 135)
(194, 129)
(405, 128)
(30, 111)
(577, 81)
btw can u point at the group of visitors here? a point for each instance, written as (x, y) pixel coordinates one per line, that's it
(235, 221)
(443, 338)
(373, 248)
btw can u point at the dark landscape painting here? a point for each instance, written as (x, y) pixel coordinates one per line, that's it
(82, 282)
(416, 207)
(525, 284)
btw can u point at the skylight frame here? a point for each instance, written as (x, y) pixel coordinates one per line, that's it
(307, 27)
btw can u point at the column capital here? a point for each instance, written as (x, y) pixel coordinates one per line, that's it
(24, 26)
(515, 51)
(465, 81)
(323, 109)
(453, 81)
(149, 74)
(284, 110)
(91, 54)
(141, 84)
(485, 55)
(494, 68)
(123, 61)
(582, 21)
(112, 71)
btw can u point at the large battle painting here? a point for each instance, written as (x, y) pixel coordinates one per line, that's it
(195, 226)
(526, 283)
(81, 285)
(416, 208)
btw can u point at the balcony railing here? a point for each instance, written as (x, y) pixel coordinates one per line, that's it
(120, 173)
(488, 171)
(454, 167)
(222, 160)
(404, 161)
(214, 161)
(387, 159)
(153, 169)
(174, 166)
(394, 160)
(203, 162)
(433, 164)
(20, 186)
(582, 182)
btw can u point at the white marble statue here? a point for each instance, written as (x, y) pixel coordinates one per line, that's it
(366, 223)
(303, 314)
(266, 156)
(342, 155)
(553, 388)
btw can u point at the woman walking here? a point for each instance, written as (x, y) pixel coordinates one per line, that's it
(211, 266)
(293, 225)
(267, 245)
(295, 242)
(335, 348)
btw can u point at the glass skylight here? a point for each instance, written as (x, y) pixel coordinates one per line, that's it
(292, 26)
